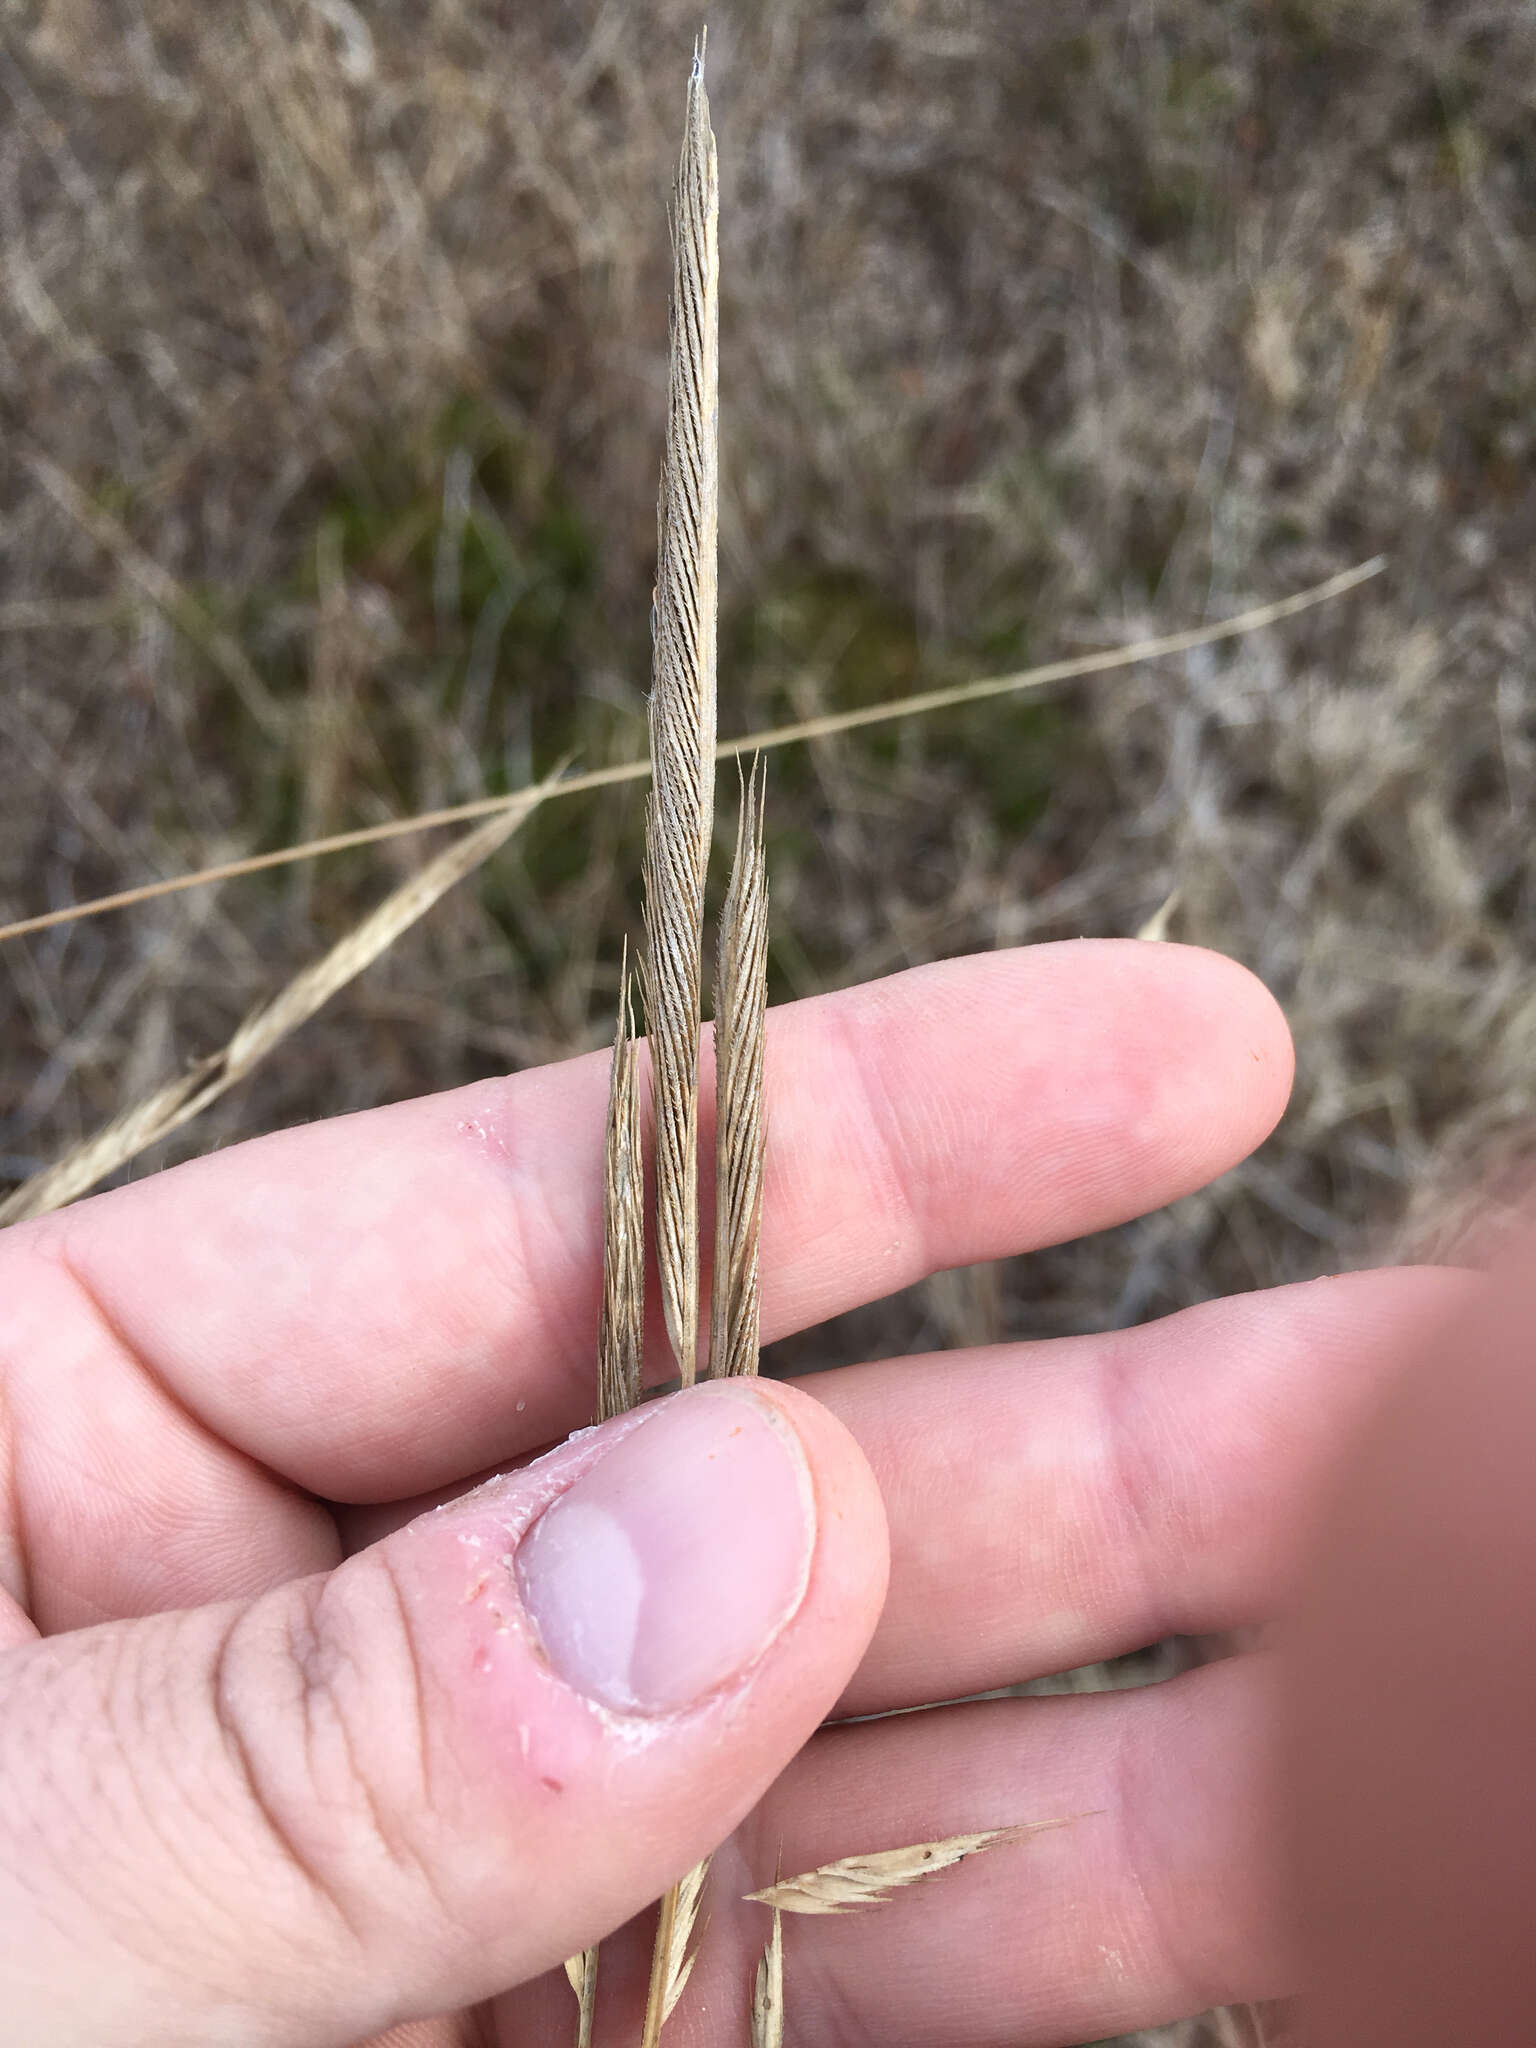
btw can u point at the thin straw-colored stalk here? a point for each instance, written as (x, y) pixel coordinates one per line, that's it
(680, 820)
(1017, 682)
(581, 1974)
(621, 1341)
(131, 1133)
(741, 1005)
(768, 1991)
(671, 1958)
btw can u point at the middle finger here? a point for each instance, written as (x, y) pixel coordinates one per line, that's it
(1057, 1503)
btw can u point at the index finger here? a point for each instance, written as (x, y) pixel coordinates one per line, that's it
(379, 1305)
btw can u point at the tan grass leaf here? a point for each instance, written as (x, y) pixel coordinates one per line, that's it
(768, 1990)
(855, 1881)
(121, 1140)
(1016, 683)
(621, 1339)
(671, 1959)
(581, 1975)
(741, 1003)
(679, 822)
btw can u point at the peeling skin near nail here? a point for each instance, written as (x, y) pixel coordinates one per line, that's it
(546, 1478)
(519, 1706)
(508, 1703)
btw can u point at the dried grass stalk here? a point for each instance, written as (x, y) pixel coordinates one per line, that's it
(741, 1003)
(1016, 683)
(672, 1959)
(131, 1133)
(581, 1974)
(679, 823)
(768, 1991)
(621, 1340)
(856, 1881)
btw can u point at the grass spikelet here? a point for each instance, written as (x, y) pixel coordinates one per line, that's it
(671, 1958)
(131, 1133)
(581, 1975)
(680, 818)
(856, 1881)
(768, 1990)
(741, 1004)
(621, 1341)
(679, 822)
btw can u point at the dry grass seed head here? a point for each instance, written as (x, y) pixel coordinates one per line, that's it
(621, 1338)
(679, 823)
(871, 1880)
(168, 1108)
(741, 1003)
(671, 1958)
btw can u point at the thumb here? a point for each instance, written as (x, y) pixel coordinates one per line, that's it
(464, 1755)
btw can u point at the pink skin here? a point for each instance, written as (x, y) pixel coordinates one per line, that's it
(959, 1112)
(387, 1779)
(542, 1763)
(458, 1572)
(1404, 1788)
(465, 1571)
(383, 1307)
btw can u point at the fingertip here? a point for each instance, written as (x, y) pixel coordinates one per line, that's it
(625, 1642)
(1253, 1005)
(1183, 1067)
(1204, 1057)
(1248, 1029)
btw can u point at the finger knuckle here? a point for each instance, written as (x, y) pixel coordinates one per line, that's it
(320, 1702)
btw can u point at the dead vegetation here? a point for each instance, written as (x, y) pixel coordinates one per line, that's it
(1048, 334)
(332, 352)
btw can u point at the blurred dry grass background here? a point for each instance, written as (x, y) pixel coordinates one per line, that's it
(1042, 328)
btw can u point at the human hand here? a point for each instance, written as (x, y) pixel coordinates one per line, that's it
(1407, 1833)
(257, 1793)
